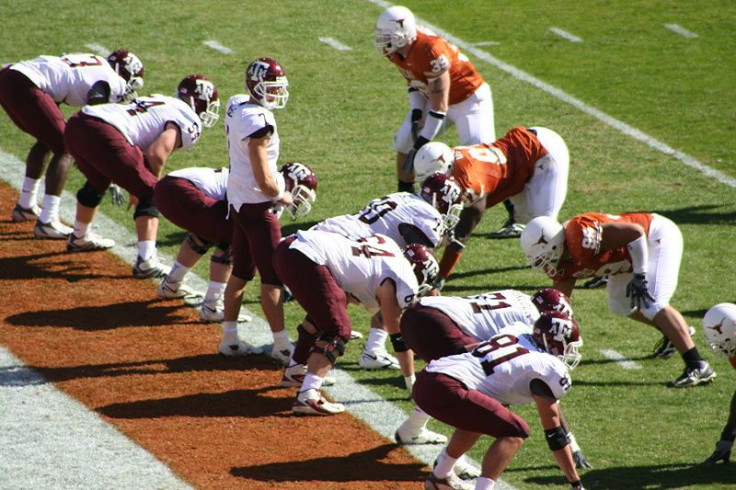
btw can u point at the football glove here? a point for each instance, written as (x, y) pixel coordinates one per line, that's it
(722, 453)
(637, 291)
(580, 460)
(116, 195)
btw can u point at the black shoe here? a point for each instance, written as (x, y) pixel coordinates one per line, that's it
(694, 376)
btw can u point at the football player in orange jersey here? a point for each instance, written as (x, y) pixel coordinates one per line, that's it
(640, 253)
(528, 166)
(443, 85)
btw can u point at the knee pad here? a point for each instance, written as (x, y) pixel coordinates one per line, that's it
(146, 208)
(88, 196)
(335, 347)
(227, 255)
(398, 342)
(198, 244)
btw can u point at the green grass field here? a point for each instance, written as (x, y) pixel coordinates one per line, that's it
(345, 107)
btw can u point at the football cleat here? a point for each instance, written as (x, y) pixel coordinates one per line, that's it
(451, 482)
(151, 268)
(282, 353)
(229, 349)
(378, 360)
(173, 290)
(294, 376)
(510, 229)
(694, 376)
(54, 230)
(21, 214)
(354, 334)
(464, 470)
(311, 402)
(664, 349)
(425, 436)
(88, 243)
(215, 312)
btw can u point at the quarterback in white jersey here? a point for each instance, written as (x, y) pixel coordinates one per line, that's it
(31, 92)
(472, 391)
(129, 145)
(326, 271)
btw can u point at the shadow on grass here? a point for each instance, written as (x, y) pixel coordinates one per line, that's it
(373, 465)
(680, 475)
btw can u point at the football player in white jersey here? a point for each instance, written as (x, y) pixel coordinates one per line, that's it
(719, 329)
(129, 144)
(472, 391)
(427, 218)
(255, 187)
(324, 271)
(31, 92)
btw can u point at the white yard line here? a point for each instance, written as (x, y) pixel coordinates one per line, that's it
(678, 29)
(99, 49)
(620, 126)
(565, 35)
(486, 43)
(50, 440)
(361, 402)
(334, 43)
(218, 47)
(620, 359)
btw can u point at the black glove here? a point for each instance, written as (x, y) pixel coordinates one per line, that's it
(722, 453)
(580, 460)
(637, 291)
(416, 117)
(409, 162)
(117, 195)
(439, 283)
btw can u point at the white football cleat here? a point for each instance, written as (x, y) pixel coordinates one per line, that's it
(239, 348)
(88, 243)
(53, 230)
(215, 313)
(21, 214)
(283, 353)
(378, 360)
(425, 436)
(464, 470)
(294, 376)
(311, 402)
(143, 269)
(172, 290)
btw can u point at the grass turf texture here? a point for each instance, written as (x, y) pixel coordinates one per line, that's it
(345, 106)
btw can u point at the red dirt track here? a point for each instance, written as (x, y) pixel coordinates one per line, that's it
(148, 367)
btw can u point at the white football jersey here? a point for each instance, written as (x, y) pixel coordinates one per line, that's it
(211, 181)
(504, 366)
(70, 77)
(482, 316)
(242, 119)
(384, 215)
(143, 120)
(360, 267)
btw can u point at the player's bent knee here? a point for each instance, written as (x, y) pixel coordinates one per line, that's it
(331, 347)
(146, 207)
(87, 196)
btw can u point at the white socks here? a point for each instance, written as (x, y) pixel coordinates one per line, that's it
(376, 340)
(445, 463)
(230, 332)
(50, 211)
(146, 249)
(311, 382)
(415, 423)
(483, 483)
(177, 272)
(81, 229)
(215, 290)
(29, 193)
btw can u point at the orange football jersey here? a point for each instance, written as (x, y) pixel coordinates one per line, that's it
(583, 235)
(501, 169)
(429, 57)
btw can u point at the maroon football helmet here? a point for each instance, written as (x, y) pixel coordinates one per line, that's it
(444, 193)
(424, 264)
(301, 181)
(266, 82)
(559, 335)
(201, 94)
(128, 66)
(550, 299)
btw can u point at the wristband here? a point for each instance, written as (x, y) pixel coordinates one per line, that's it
(432, 124)
(639, 252)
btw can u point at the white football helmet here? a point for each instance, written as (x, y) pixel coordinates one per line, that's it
(433, 157)
(395, 29)
(719, 328)
(543, 241)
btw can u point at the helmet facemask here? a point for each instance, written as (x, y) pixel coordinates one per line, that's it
(303, 198)
(272, 94)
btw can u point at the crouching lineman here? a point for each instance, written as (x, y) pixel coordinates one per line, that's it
(427, 218)
(324, 271)
(471, 391)
(639, 252)
(719, 328)
(129, 144)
